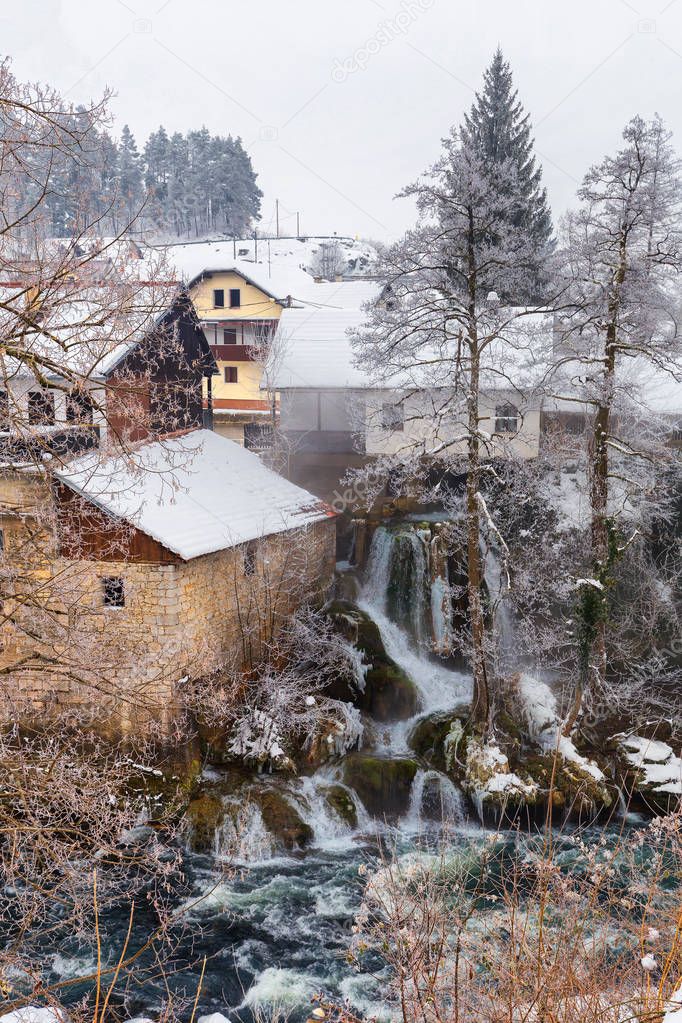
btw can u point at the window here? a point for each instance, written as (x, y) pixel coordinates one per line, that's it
(41, 408)
(235, 298)
(250, 553)
(78, 408)
(393, 417)
(231, 375)
(113, 594)
(506, 419)
(230, 336)
(219, 298)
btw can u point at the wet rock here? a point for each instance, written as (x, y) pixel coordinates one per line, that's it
(567, 787)
(282, 820)
(204, 816)
(428, 735)
(383, 785)
(389, 695)
(340, 800)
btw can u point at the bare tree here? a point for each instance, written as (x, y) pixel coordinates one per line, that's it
(621, 263)
(328, 261)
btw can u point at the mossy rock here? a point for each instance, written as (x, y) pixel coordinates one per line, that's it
(427, 737)
(282, 820)
(383, 785)
(389, 694)
(570, 788)
(204, 816)
(341, 802)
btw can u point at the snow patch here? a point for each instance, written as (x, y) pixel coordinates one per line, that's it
(661, 768)
(539, 708)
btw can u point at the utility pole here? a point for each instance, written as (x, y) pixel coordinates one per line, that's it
(298, 225)
(277, 215)
(234, 246)
(255, 239)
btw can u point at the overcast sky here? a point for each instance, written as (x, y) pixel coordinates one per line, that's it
(341, 104)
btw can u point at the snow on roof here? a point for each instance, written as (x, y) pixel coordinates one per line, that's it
(86, 335)
(314, 350)
(357, 257)
(195, 494)
(343, 294)
(279, 277)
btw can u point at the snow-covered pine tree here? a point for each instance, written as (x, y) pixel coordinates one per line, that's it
(156, 173)
(498, 130)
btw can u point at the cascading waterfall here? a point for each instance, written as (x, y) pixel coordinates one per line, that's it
(435, 797)
(243, 837)
(440, 687)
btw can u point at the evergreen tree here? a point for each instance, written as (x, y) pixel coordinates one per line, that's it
(129, 174)
(499, 130)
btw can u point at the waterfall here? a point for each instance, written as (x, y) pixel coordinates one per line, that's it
(441, 615)
(242, 836)
(377, 574)
(397, 577)
(441, 595)
(434, 796)
(309, 796)
(439, 687)
(407, 581)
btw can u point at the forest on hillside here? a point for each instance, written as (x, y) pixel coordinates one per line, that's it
(174, 186)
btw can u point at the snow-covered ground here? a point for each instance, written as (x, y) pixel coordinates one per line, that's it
(281, 255)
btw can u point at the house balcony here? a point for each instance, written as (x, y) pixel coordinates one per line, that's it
(234, 353)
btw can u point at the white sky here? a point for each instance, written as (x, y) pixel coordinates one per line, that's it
(339, 150)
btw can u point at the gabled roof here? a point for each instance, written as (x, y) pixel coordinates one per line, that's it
(181, 309)
(281, 281)
(194, 494)
(78, 340)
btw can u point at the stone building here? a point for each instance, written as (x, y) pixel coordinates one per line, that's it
(155, 565)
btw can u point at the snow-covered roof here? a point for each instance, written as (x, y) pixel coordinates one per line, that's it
(195, 493)
(279, 277)
(343, 294)
(86, 335)
(356, 257)
(314, 350)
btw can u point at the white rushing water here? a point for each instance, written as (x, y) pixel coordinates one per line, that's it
(440, 688)
(434, 796)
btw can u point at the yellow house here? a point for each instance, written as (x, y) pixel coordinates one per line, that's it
(239, 307)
